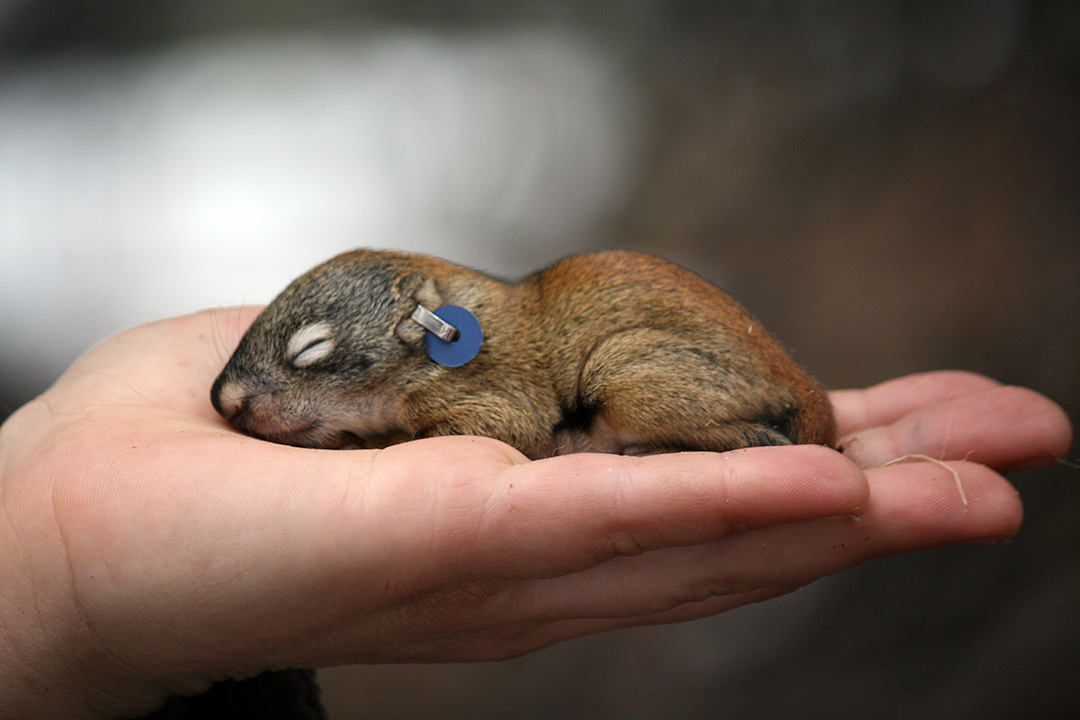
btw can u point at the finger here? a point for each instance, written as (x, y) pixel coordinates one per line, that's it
(889, 401)
(914, 507)
(566, 514)
(1006, 428)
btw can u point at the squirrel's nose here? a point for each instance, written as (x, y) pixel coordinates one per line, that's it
(229, 396)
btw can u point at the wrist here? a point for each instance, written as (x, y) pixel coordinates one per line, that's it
(56, 673)
(51, 664)
(34, 677)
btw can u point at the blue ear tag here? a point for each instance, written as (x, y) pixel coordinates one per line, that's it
(455, 353)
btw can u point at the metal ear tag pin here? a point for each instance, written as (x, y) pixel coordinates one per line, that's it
(454, 335)
(435, 324)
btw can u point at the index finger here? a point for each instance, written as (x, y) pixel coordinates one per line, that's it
(570, 513)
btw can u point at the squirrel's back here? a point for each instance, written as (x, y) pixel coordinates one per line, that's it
(585, 298)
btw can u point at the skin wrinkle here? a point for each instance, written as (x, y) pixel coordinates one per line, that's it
(54, 633)
(127, 384)
(721, 488)
(530, 632)
(5, 471)
(99, 647)
(724, 486)
(694, 593)
(946, 436)
(442, 553)
(687, 611)
(620, 534)
(23, 654)
(22, 418)
(709, 585)
(513, 525)
(734, 524)
(512, 640)
(622, 537)
(700, 592)
(922, 433)
(355, 500)
(483, 528)
(451, 611)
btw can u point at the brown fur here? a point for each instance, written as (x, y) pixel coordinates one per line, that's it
(610, 352)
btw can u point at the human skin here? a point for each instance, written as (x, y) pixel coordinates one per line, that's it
(147, 549)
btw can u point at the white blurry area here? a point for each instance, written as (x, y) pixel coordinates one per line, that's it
(213, 173)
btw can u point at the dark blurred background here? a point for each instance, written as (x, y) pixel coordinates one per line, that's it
(890, 186)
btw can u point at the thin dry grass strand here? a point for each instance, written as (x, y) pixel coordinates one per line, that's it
(942, 463)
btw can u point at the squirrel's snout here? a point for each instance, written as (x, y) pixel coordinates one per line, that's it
(229, 396)
(253, 407)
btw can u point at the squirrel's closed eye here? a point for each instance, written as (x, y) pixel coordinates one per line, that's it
(310, 344)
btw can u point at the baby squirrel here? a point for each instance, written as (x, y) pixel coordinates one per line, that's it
(605, 352)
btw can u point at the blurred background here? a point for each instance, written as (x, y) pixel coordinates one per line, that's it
(890, 186)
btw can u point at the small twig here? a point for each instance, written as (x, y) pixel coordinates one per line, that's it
(942, 463)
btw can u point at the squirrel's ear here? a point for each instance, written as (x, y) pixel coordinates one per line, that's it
(428, 295)
(416, 290)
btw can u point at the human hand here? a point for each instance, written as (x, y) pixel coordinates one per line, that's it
(148, 550)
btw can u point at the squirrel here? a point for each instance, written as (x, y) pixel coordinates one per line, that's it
(603, 352)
